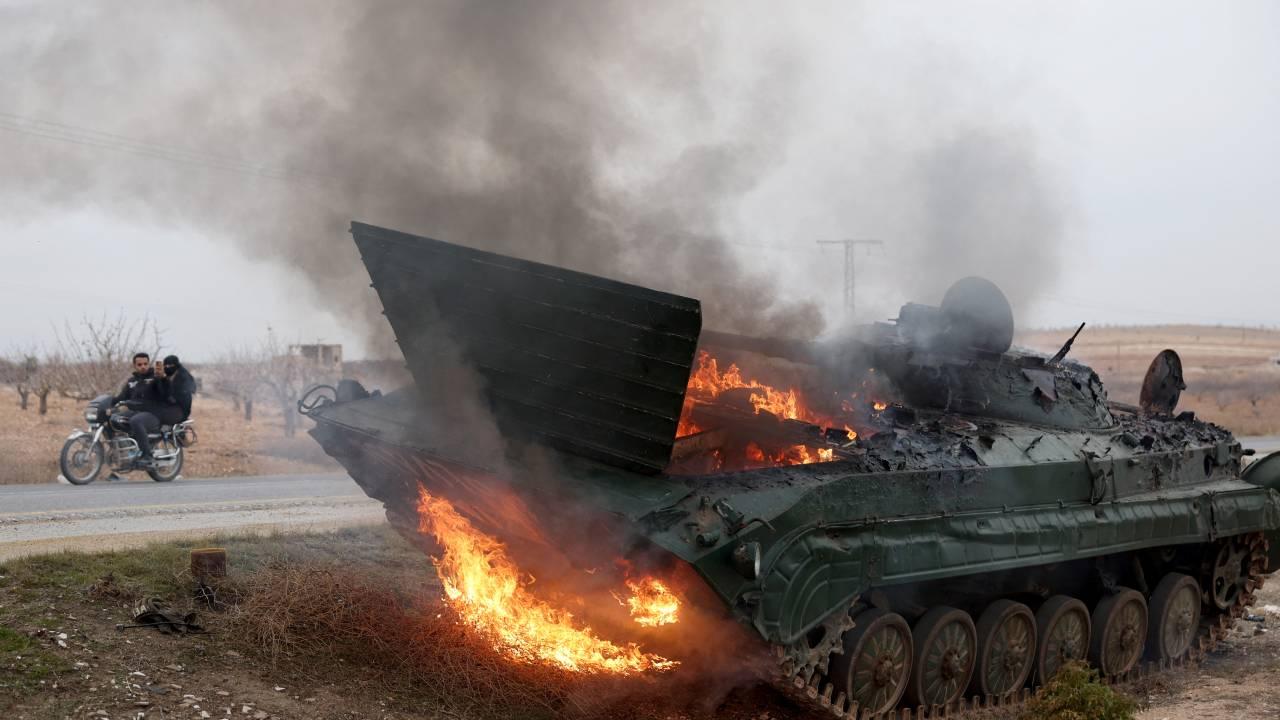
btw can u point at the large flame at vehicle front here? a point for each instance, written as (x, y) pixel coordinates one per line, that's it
(484, 587)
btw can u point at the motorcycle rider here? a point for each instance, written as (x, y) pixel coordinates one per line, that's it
(138, 387)
(140, 395)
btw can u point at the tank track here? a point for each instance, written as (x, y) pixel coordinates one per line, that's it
(805, 681)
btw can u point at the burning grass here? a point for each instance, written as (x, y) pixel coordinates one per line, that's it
(328, 615)
(489, 593)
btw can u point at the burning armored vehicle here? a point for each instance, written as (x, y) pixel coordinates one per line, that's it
(935, 519)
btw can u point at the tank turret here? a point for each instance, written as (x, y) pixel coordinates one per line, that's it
(957, 358)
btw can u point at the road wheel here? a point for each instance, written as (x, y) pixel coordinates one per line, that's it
(1062, 635)
(1174, 617)
(81, 460)
(876, 663)
(1006, 649)
(1120, 632)
(1228, 573)
(945, 646)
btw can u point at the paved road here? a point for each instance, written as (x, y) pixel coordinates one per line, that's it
(45, 518)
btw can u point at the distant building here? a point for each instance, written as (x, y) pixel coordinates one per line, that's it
(326, 357)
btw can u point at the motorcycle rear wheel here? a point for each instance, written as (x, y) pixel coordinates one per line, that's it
(167, 470)
(81, 460)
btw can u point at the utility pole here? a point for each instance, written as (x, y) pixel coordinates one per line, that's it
(850, 246)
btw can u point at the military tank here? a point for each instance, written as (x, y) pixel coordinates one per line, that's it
(949, 545)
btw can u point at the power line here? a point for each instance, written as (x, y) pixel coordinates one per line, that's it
(88, 137)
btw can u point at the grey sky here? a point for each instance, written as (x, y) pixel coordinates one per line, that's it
(1149, 126)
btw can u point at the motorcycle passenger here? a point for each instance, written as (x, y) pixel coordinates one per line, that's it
(174, 388)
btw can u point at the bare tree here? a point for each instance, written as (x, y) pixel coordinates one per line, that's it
(93, 356)
(283, 376)
(1256, 389)
(19, 371)
(31, 374)
(43, 381)
(236, 374)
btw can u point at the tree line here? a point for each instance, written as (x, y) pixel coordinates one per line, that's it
(92, 358)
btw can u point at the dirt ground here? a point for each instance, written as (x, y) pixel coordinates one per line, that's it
(61, 655)
(29, 442)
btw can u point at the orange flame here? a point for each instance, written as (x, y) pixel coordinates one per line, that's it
(483, 586)
(879, 406)
(793, 455)
(652, 603)
(687, 426)
(707, 382)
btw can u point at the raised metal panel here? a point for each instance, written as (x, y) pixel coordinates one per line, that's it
(584, 364)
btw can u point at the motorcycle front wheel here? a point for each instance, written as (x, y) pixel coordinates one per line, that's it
(167, 469)
(81, 460)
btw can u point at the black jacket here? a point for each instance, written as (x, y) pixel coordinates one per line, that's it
(139, 388)
(174, 394)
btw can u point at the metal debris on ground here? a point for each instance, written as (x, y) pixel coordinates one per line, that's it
(154, 613)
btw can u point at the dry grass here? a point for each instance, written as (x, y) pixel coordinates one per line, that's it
(326, 615)
(29, 442)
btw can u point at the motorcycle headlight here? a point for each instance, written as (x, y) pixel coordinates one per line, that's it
(91, 416)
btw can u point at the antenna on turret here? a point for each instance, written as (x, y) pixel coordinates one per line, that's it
(1066, 347)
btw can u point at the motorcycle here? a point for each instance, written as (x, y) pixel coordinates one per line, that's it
(107, 443)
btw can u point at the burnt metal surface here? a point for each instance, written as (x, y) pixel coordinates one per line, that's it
(587, 365)
(1163, 383)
